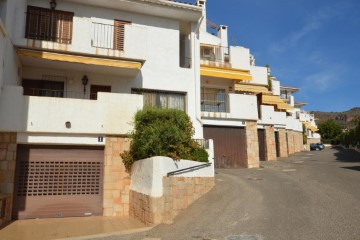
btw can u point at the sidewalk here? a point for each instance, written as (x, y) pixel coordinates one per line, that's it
(65, 228)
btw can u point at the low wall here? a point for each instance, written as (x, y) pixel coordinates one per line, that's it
(156, 198)
(310, 141)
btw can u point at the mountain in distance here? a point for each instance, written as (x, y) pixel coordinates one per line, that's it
(342, 118)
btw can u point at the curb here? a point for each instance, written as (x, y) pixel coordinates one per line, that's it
(110, 234)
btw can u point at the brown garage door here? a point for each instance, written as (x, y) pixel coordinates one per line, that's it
(262, 149)
(58, 182)
(229, 144)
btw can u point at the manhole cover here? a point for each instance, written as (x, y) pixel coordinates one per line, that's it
(245, 237)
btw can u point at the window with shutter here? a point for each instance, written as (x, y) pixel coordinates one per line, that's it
(49, 25)
(119, 34)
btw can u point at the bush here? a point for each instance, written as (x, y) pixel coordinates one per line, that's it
(163, 132)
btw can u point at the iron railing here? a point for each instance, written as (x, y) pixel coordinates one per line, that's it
(60, 94)
(108, 36)
(189, 169)
(215, 53)
(214, 102)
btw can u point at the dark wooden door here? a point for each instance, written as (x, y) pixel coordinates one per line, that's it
(94, 89)
(262, 147)
(277, 142)
(229, 144)
(58, 182)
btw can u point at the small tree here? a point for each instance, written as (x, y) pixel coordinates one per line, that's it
(163, 132)
(329, 129)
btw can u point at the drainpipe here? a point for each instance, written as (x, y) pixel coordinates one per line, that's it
(196, 73)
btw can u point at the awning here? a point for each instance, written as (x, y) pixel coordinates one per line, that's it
(272, 100)
(36, 58)
(310, 127)
(285, 106)
(228, 73)
(251, 88)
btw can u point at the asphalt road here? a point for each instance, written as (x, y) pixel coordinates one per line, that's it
(310, 195)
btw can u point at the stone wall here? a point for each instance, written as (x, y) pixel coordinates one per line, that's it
(116, 179)
(270, 144)
(298, 141)
(252, 144)
(290, 142)
(283, 143)
(7, 172)
(178, 194)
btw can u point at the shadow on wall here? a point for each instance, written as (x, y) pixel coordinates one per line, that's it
(346, 155)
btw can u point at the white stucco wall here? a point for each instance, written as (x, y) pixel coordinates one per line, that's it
(259, 75)
(240, 57)
(111, 114)
(207, 38)
(270, 117)
(276, 87)
(147, 175)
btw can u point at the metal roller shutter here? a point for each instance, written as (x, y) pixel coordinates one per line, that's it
(58, 182)
(262, 147)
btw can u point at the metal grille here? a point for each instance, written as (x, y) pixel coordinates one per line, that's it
(46, 178)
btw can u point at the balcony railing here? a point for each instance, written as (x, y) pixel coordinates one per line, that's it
(215, 53)
(214, 102)
(60, 94)
(108, 36)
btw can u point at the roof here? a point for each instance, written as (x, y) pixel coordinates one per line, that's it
(182, 2)
(300, 104)
(290, 89)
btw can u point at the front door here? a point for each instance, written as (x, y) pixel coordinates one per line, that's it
(94, 89)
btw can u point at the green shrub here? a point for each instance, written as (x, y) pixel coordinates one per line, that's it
(163, 132)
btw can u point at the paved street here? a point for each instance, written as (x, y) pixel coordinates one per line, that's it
(313, 195)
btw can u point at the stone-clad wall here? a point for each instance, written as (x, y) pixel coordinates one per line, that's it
(299, 142)
(270, 144)
(252, 144)
(290, 142)
(283, 143)
(116, 179)
(7, 172)
(178, 194)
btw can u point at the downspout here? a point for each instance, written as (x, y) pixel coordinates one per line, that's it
(197, 112)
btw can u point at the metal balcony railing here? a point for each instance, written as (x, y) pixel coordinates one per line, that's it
(60, 94)
(215, 53)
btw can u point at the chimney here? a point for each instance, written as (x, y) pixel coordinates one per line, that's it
(202, 3)
(223, 35)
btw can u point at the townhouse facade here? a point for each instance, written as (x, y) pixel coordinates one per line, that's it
(73, 74)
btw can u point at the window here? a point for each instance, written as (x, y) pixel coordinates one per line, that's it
(213, 100)
(109, 36)
(162, 99)
(119, 34)
(43, 88)
(49, 25)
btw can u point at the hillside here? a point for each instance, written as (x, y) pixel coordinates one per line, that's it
(342, 118)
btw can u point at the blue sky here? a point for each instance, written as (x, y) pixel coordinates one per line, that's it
(311, 44)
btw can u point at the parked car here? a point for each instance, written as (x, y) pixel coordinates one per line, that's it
(322, 146)
(316, 146)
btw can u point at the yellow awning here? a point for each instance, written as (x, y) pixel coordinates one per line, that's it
(250, 88)
(87, 60)
(285, 106)
(228, 73)
(272, 100)
(310, 127)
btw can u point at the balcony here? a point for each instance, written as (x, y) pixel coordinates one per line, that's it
(215, 56)
(228, 106)
(272, 117)
(44, 114)
(61, 31)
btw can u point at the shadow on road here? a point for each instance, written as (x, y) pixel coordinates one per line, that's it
(346, 155)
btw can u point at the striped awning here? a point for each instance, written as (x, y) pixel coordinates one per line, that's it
(228, 73)
(272, 100)
(285, 106)
(251, 88)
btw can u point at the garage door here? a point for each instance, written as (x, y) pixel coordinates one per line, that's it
(229, 144)
(58, 182)
(262, 147)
